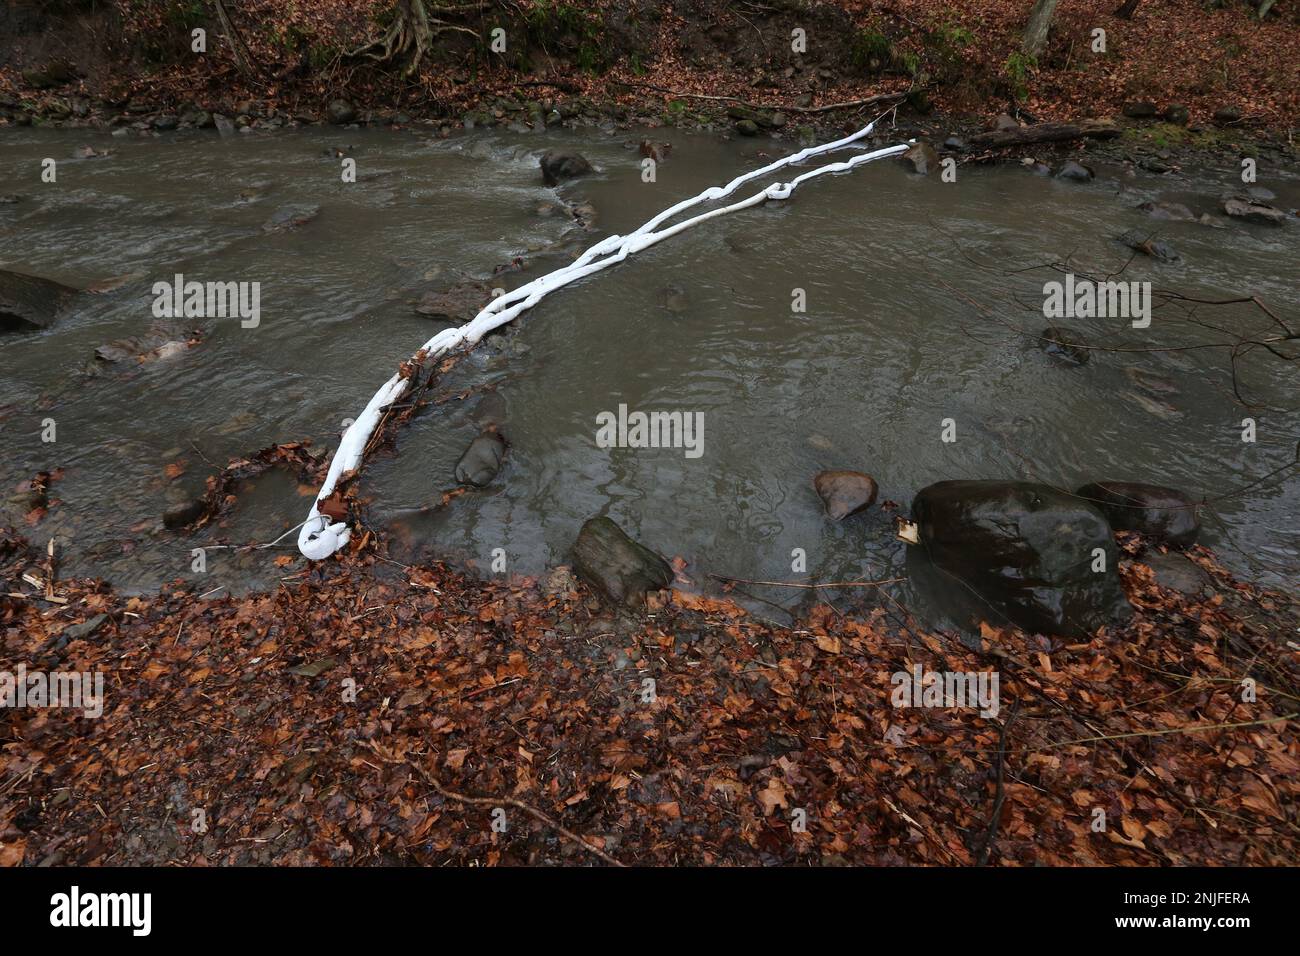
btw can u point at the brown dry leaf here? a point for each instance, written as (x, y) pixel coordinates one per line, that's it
(11, 853)
(775, 795)
(828, 643)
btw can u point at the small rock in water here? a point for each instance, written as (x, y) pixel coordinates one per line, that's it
(621, 569)
(1252, 211)
(1155, 248)
(922, 157)
(1166, 514)
(482, 460)
(673, 298)
(845, 492)
(1064, 344)
(291, 217)
(1075, 171)
(558, 165)
(460, 303)
(1174, 211)
(223, 124)
(747, 127)
(185, 513)
(490, 410)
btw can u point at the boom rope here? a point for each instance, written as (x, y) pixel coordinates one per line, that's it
(321, 536)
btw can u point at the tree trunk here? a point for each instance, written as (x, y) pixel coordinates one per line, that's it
(1127, 9)
(1046, 133)
(1040, 21)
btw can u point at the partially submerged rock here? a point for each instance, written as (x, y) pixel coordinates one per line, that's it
(1027, 550)
(1173, 211)
(183, 514)
(481, 460)
(620, 568)
(1074, 171)
(1165, 514)
(1253, 211)
(1064, 344)
(164, 339)
(1155, 248)
(291, 217)
(921, 157)
(460, 303)
(845, 492)
(559, 165)
(30, 302)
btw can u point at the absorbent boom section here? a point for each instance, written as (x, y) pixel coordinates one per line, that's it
(321, 536)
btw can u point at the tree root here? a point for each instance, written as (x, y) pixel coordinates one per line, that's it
(410, 36)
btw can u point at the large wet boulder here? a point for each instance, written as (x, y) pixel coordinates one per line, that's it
(1027, 550)
(1165, 514)
(30, 302)
(845, 492)
(559, 165)
(481, 460)
(621, 569)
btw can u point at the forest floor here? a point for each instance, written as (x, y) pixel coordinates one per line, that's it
(684, 62)
(369, 713)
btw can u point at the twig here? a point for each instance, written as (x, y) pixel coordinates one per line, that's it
(996, 815)
(867, 101)
(519, 805)
(1171, 730)
(809, 587)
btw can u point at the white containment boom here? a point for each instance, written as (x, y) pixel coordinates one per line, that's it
(321, 536)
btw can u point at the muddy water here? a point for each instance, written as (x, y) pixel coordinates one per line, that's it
(913, 298)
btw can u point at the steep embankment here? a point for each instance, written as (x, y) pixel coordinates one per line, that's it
(118, 62)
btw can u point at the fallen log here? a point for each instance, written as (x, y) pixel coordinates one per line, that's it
(1047, 133)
